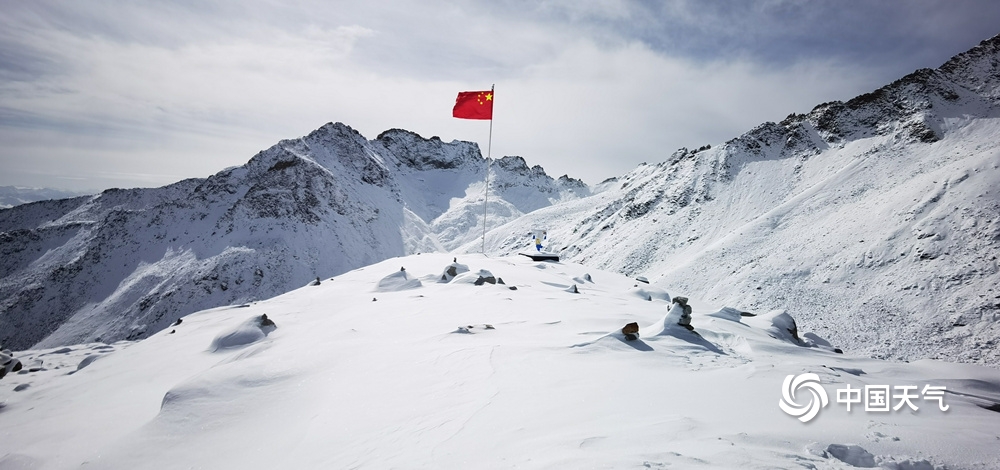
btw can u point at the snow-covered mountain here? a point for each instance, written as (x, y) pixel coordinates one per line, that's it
(422, 368)
(865, 228)
(127, 263)
(876, 221)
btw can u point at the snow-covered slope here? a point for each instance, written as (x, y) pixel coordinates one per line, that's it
(127, 263)
(876, 221)
(422, 368)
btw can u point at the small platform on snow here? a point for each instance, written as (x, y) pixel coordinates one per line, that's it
(541, 256)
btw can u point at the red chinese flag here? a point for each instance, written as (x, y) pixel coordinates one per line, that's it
(474, 105)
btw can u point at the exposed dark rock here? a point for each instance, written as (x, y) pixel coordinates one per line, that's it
(685, 319)
(471, 329)
(793, 330)
(281, 165)
(8, 363)
(486, 280)
(423, 154)
(631, 331)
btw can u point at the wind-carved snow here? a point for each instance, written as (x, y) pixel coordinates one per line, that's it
(373, 370)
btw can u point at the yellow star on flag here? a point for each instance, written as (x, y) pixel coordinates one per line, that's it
(474, 105)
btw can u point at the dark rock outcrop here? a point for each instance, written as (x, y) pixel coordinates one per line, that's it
(631, 331)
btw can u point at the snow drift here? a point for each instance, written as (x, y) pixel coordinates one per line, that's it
(459, 375)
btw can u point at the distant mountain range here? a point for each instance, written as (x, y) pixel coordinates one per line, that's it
(11, 196)
(876, 219)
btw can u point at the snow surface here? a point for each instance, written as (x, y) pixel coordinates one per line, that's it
(447, 374)
(875, 222)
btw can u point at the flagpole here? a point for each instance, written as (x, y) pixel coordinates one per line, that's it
(489, 150)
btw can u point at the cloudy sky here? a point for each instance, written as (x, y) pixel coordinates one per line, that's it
(97, 94)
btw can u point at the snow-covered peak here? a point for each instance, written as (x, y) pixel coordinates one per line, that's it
(977, 69)
(573, 184)
(426, 154)
(915, 106)
(127, 263)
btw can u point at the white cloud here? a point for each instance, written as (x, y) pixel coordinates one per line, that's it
(611, 109)
(186, 90)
